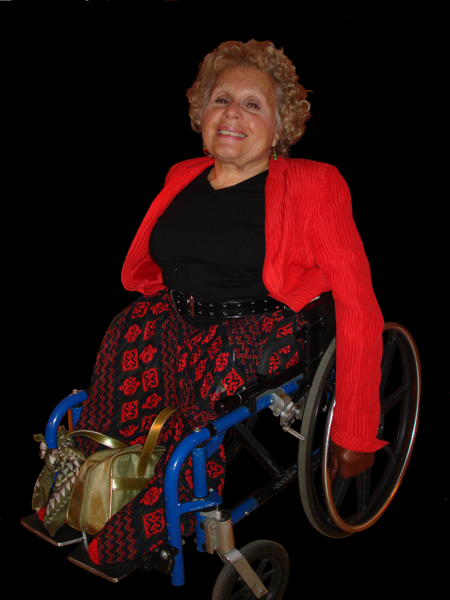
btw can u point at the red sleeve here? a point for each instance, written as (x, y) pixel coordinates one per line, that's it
(339, 253)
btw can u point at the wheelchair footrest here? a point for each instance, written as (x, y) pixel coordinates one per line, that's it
(63, 537)
(112, 573)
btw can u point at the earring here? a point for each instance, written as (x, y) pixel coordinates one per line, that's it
(275, 155)
(205, 151)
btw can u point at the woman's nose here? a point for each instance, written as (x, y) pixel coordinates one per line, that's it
(233, 110)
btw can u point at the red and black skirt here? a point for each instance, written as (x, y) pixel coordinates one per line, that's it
(151, 358)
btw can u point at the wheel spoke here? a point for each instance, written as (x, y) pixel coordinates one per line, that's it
(363, 492)
(260, 569)
(392, 399)
(339, 490)
(388, 450)
(243, 594)
(268, 575)
(394, 458)
(330, 387)
(388, 356)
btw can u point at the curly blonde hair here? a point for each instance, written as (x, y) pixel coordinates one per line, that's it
(293, 109)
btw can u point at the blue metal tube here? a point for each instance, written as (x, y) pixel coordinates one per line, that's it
(240, 414)
(243, 510)
(292, 386)
(51, 429)
(199, 472)
(173, 507)
(76, 412)
(200, 486)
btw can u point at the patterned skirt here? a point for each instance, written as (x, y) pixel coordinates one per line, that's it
(151, 358)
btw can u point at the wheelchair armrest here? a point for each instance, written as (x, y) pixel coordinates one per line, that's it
(264, 381)
(269, 349)
(262, 370)
(51, 429)
(319, 330)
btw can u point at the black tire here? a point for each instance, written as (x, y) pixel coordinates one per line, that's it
(270, 562)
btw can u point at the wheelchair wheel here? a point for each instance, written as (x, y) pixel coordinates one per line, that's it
(270, 562)
(351, 505)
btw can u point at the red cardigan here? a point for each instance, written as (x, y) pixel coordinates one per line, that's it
(312, 246)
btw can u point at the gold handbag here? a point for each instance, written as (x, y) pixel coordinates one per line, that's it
(110, 478)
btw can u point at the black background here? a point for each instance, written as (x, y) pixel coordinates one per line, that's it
(94, 115)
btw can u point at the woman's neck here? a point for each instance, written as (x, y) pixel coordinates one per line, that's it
(223, 175)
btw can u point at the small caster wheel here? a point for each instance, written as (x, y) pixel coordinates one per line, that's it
(270, 562)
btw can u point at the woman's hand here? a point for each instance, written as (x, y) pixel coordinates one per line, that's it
(348, 463)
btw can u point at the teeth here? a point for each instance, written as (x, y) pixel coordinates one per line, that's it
(232, 133)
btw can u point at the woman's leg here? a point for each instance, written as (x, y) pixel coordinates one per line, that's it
(154, 359)
(136, 376)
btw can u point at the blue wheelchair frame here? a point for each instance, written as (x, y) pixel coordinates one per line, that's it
(201, 443)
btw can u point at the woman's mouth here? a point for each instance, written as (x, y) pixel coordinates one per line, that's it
(229, 132)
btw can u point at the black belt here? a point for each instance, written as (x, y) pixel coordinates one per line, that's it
(228, 309)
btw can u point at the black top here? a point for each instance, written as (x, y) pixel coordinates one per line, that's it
(211, 243)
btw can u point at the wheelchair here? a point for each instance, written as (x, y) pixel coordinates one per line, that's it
(302, 400)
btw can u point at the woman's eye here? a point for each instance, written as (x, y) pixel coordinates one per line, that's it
(221, 101)
(253, 104)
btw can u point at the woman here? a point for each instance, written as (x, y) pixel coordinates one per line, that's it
(232, 238)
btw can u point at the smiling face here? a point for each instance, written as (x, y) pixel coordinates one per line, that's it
(239, 123)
